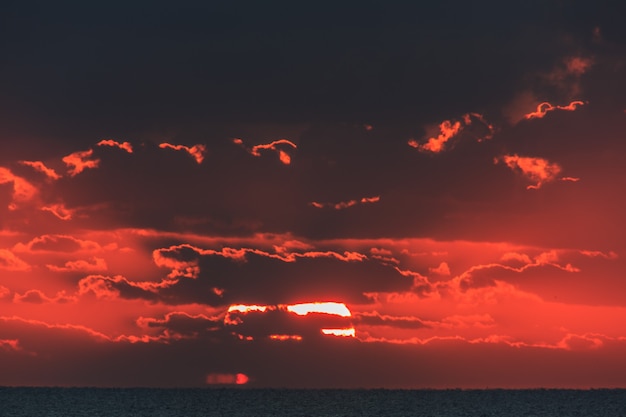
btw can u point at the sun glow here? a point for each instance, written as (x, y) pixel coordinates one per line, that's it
(227, 379)
(241, 308)
(338, 309)
(284, 337)
(350, 332)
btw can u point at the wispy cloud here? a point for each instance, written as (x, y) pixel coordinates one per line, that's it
(346, 204)
(545, 107)
(41, 167)
(126, 146)
(59, 210)
(92, 265)
(23, 191)
(10, 262)
(58, 243)
(376, 319)
(38, 297)
(196, 151)
(275, 146)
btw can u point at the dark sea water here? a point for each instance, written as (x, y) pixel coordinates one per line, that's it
(35, 402)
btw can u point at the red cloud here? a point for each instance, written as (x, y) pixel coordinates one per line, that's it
(10, 344)
(10, 262)
(83, 330)
(582, 342)
(376, 319)
(448, 129)
(58, 243)
(23, 191)
(109, 287)
(126, 146)
(592, 254)
(180, 324)
(60, 211)
(384, 255)
(96, 265)
(40, 167)
(282, 155)
(479, 283)
(436, 144)
(442, 269)
(538, 170)
(345, 204)
(566, 76)
(196, 151)
(545, 107)
(38, 297)
(577, 65)
(77, 162)
(4, 292)
(160, 256)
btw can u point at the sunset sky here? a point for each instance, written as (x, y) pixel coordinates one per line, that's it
(311, 194)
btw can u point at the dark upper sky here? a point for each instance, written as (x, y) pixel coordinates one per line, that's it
(72, 71)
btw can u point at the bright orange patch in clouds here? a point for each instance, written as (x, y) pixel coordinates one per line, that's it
(449, 129)
(195, 151)
(538, 170)
(545, 107)
(77, 162)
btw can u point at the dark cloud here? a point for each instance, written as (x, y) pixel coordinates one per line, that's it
(331, 362)
(183, 324)
(216, 279)
(281, 322)
(376, 319)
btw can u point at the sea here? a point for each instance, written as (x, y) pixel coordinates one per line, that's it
(231, 402)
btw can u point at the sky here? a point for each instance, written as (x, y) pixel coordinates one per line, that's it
(310, 195)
